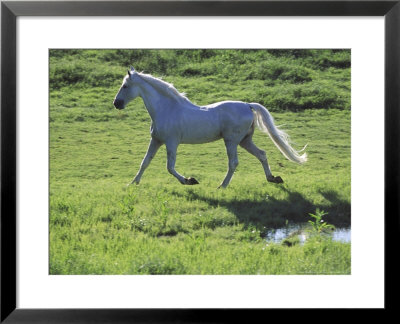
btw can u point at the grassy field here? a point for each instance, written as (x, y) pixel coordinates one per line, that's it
(98, 225)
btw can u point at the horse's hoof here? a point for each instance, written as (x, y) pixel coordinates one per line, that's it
(277, 179)
(191, 181)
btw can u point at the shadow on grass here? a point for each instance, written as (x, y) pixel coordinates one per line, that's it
(274, 213)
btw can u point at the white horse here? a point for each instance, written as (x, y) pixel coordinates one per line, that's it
(176, 120)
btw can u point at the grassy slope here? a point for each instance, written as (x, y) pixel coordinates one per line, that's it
(98, 225)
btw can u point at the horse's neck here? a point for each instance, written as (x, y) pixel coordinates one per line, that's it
(150, 98)
(153, 100)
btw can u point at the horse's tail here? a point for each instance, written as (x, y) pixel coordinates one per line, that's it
(265, 123)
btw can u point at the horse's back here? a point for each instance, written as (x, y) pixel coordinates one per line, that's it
(226, 119)
(228, 105)
(234, 112)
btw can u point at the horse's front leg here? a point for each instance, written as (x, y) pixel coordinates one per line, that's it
(151, 152)
(171, 159)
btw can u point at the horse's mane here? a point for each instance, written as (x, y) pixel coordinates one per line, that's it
(164, 87)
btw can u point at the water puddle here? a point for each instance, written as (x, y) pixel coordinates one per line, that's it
(340, 234)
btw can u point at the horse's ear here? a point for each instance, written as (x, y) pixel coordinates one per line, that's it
(131, 69)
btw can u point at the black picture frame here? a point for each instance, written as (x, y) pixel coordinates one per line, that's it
(10, 10)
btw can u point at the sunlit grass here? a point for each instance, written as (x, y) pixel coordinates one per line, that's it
(98, 225)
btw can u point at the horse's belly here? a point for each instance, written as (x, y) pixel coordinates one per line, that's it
(200, 127)
(197, 136)
(196, 140)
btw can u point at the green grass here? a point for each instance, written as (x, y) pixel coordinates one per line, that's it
(98, 225)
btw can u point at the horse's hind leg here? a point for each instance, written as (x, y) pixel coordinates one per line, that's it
(151, 152)
(231, 150)
(171, 159)
(249, 146)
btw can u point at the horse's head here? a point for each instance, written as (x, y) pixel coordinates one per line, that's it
(128, 90)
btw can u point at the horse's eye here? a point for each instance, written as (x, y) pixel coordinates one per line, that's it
(124, 86)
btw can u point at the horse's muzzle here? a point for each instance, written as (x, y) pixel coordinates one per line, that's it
(119, 104)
